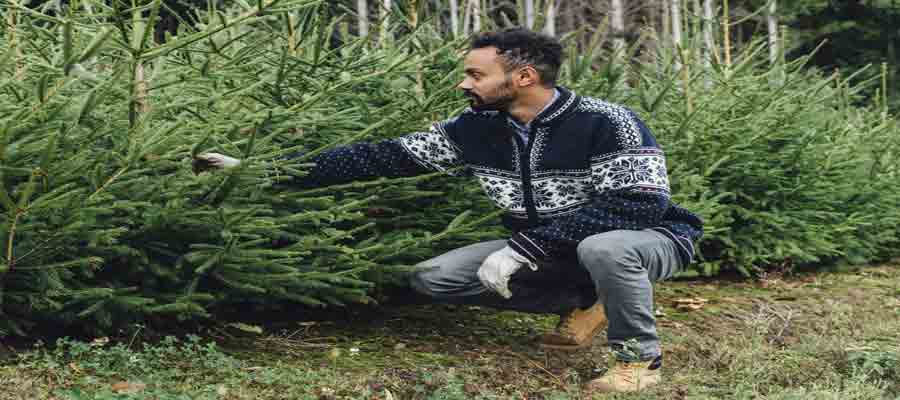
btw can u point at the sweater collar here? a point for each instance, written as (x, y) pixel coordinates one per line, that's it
(562, 105)
(520, 126)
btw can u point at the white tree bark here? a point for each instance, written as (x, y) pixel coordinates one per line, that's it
(676, 30)
(362, 12)
(772, 27)
(140, 89)
(476, 15)
(617, 23)
(454, 17)
(529, 14)
(385, 23)
(676, 22)
(709, 44)
(550, 25)
(467, 18)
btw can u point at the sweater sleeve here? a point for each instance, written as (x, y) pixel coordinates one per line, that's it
(409, 155)
(631, 191)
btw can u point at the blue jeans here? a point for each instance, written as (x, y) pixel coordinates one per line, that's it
(616, 268)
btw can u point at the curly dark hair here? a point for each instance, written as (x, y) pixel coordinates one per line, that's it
(519, 47)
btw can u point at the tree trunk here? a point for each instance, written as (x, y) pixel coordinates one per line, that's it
(617, 23)
(550, 25)
(676, 22)
(414, 22)
(362, 12)
(676, 30)
(454, 17)
(467, 18)
(385, 24)
(709, 44)
(529, 14)
(140, 89)
(726, 37)
(666, 22)
(772, 28)
(476, 16)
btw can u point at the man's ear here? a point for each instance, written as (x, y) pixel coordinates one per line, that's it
(528, 76)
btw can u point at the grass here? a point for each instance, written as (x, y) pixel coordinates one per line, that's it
(822, 336)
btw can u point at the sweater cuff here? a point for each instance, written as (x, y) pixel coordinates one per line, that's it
(525, 246)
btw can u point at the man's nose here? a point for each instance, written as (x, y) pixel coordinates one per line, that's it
(464, 85)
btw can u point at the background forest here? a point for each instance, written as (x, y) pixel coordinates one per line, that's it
(789, 155)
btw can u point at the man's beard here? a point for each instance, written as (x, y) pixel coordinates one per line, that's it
(500, 101)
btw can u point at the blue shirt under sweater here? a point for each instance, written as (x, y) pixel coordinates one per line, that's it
(524, 131)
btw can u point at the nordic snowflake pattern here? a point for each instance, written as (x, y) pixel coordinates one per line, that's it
(628, 133)
(432, 149)
(561, 194)
(503, 188)
(641, 169)
(555, 192)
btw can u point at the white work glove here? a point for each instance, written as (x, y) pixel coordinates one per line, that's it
(206, 161)
(496, 270)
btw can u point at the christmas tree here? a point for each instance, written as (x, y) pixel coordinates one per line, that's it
(107, 224)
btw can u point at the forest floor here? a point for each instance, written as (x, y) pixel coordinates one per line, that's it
(827, 335)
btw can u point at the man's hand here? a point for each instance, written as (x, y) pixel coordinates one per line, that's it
(496, 270)
(207, 161)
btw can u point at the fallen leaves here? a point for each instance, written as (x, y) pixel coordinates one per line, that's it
(690, 303)
(125, 387)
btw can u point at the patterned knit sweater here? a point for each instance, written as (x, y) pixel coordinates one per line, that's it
(589, 167)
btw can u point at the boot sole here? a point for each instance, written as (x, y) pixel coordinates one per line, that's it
(573, 347)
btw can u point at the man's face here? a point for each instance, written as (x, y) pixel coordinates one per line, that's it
(487, 85)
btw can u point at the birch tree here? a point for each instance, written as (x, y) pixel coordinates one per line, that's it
(529, 14)
(676, 29)
(476, 15)
(708, 42)
(772, 28)
(473, 14)
(362, 13)
(550, 24)
(385, 23)
(617, 22)
(454, 17)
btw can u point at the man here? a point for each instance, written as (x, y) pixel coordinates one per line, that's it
(587, 194)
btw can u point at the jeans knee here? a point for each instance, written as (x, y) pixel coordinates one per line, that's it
(419, 282)
(605, 259)
(442, 284)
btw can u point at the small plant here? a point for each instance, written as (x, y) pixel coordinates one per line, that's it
(879, 361)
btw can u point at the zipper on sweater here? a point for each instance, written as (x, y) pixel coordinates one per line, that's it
(525, 166)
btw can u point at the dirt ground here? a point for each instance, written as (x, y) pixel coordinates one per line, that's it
(815, 335)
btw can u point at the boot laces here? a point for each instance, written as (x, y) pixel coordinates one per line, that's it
(627, 371)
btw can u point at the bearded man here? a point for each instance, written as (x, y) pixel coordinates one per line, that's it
(586, 191)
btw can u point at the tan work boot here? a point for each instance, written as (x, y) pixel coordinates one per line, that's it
(628, 377)
(576, 329)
